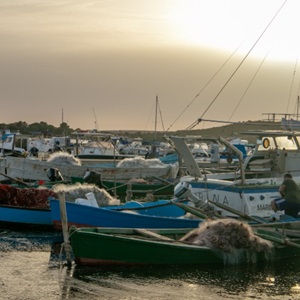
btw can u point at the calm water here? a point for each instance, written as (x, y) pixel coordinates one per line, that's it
(31, 270)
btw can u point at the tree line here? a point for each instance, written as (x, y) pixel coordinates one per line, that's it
(41, 128)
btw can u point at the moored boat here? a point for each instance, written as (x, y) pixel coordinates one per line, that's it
(251, 188)
(25, 206)
(88, 216)
(121, 246)
(30, 205)
(133, 188)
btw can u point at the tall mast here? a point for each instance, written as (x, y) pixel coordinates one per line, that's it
(96, 121)
(156, 104)
(297, 107)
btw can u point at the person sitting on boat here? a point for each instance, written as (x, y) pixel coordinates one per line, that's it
(290, 193)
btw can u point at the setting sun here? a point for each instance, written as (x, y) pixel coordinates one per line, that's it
(231, 24)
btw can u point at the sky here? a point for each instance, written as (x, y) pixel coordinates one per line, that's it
(102, 64)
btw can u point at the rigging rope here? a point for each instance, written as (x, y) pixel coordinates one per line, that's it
(292, 83)
(237, 68)
(207, 83)
(161, 118)
(248, 87)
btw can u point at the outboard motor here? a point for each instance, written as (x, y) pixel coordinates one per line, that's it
(54, 175)
(183, 190)
(92, 177)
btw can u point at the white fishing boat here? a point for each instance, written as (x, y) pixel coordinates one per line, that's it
(68, 167)
(250, 188)
(97, 147)
(8, 144)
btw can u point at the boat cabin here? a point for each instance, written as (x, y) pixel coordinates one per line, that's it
(275, 151)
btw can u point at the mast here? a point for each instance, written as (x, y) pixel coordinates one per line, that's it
(155, 125)
(297, 107)
(96, 121)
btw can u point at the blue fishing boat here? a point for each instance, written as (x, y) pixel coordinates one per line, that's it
(25, 215)
(89, 216)
(28, 206)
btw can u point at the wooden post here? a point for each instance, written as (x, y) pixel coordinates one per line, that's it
(128, 192)
(64, 224)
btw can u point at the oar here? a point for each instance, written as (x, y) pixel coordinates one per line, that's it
(273, 224)
(277, 240)
(191, 210)
(236, 212)
(290, 233)
(16, 180)
(164, 180)
(151, 234)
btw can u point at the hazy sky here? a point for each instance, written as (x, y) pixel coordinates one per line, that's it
(103, 62)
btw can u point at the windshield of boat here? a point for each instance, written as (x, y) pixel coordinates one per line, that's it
(277, 142)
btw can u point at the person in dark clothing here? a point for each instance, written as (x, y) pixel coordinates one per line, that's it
(290, 201)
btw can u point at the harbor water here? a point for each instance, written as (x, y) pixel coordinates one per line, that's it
(32, 268)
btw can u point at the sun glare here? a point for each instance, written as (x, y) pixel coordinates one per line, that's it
(227, 24)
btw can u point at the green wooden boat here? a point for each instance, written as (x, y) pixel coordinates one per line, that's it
(138, 189)
(120, 246)
(156, 187)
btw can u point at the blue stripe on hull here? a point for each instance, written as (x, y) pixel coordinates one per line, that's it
(234, 188)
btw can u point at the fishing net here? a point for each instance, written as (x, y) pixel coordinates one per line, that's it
(77, 191)
(228, 235)
(25, 197)
(64, 158)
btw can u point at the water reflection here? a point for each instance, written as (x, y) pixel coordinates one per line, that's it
(263, 281)
(260, 281)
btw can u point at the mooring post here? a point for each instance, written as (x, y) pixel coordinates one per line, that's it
(128, 192)
(64, 224)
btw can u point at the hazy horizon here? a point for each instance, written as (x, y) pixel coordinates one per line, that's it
(104, 62)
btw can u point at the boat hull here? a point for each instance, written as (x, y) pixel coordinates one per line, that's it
(19, 167)
(87, 216)
(27, 216)
(138, 189)
(254, 200)
(93, 247)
